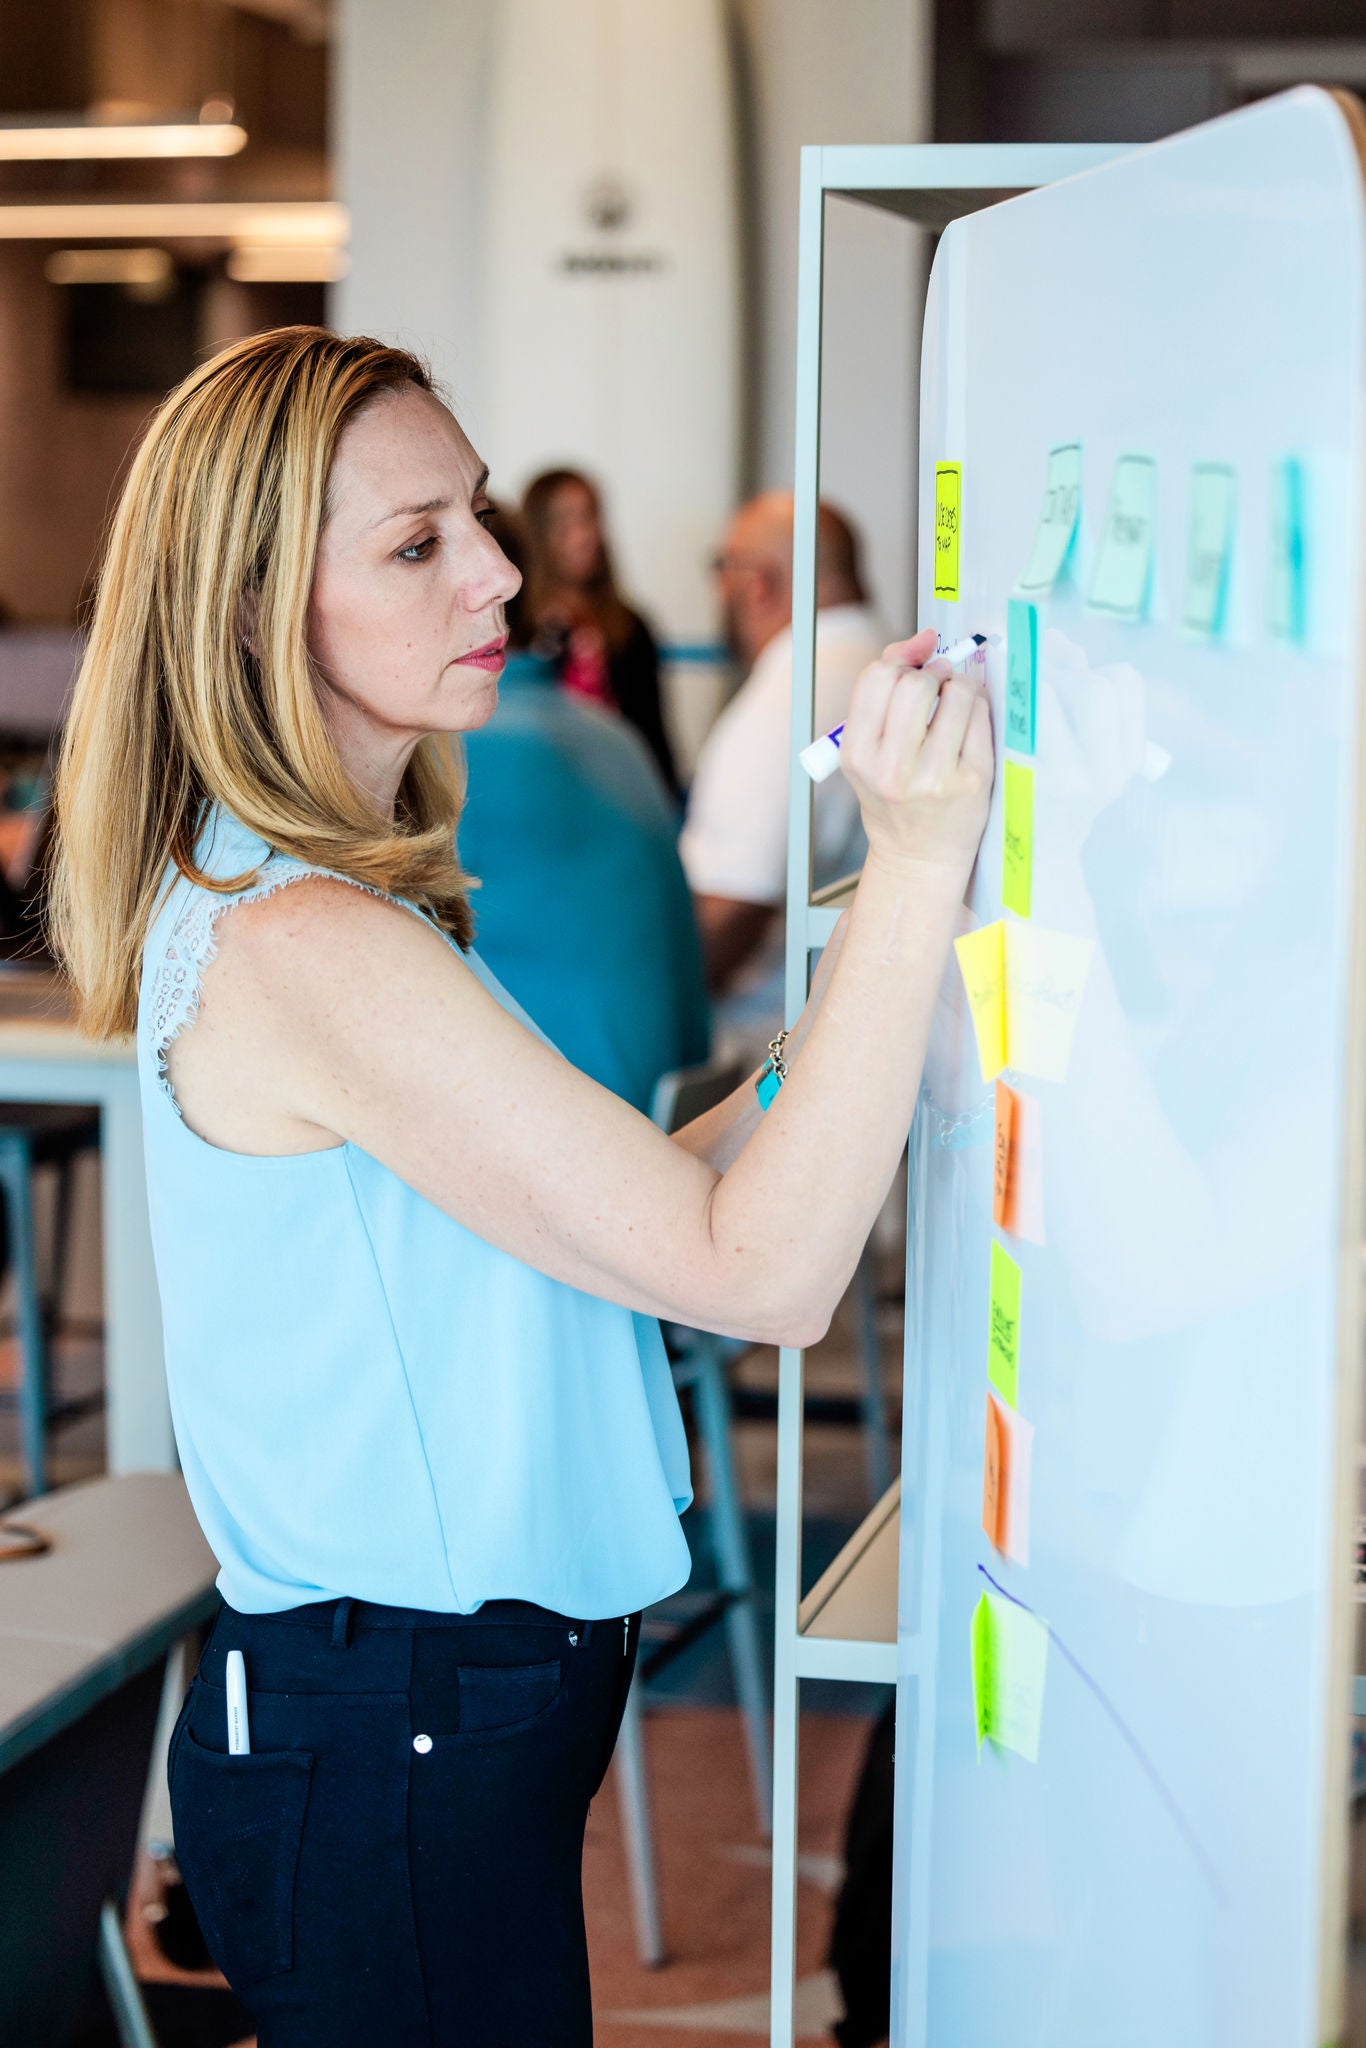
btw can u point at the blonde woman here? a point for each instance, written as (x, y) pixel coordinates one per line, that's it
(410, 1260)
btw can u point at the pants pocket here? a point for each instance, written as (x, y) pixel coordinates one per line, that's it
(500, 1698)
(239, 1823)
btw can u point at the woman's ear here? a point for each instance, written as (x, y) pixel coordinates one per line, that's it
(248, 618)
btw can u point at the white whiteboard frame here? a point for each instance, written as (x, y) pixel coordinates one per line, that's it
(927, 184)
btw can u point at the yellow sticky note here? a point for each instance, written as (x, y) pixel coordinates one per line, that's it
(948, 500)
(1017, 858)
(1045, 981)
(1009, 1669)
(982, 962)
(1003, 1347)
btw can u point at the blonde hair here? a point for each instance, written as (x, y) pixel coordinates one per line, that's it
(172, 712)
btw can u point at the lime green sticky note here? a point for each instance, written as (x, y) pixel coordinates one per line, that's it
(1123, 567)
(1209, 549)
(1009, 1669)
(1057, 522)
(1017, 858)
(981, 1668)
(1003, 1351)
(948, 503)
(1286, 606)
(1022, 671)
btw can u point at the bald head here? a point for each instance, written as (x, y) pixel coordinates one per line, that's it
(757, 571)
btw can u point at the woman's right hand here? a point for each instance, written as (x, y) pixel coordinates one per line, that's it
(917, 749)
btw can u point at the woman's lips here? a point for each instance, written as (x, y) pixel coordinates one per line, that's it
(490, 657)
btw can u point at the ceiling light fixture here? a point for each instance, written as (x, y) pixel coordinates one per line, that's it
(291, 223)
(257, 263)
(76, 140)
(147, 267)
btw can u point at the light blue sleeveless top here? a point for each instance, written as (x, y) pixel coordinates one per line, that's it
(368, 1398)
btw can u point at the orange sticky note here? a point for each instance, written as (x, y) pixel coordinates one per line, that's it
(994, 1477)
(1005, 1155)
(1007, 1467)
(1024, 1191)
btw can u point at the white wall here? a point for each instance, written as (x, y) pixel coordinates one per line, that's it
(842, 71)
(409, 78)
(410, 82)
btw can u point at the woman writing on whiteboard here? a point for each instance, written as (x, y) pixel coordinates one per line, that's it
(574, 610)
(410, 1260)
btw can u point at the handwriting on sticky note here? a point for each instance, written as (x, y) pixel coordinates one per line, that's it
(1123, 567)
(1004, 1154)
(1006, 1473)
(948, 500)
(1209, 548)
(1003, 1334)
(1009, 1670)
(1018, 1207)
(1057, 522)
(1045, 980)
(1017, 848)
(1286, 594)
(982, 962)
(1022, 674)
(993, 1490)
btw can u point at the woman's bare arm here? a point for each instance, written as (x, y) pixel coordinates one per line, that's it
(344, 1018)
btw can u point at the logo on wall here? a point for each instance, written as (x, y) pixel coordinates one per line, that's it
(608, 207)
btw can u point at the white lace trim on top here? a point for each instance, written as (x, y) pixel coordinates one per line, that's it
(174, 996)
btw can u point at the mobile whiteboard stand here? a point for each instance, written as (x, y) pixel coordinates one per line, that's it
(846, 1627)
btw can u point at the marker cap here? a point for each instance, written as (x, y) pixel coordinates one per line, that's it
(821, 758)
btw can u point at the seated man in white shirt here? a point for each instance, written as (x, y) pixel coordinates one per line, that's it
(734, 841)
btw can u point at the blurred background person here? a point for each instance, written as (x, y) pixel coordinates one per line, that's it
(584, 912)
(734, 841)
(603, 650)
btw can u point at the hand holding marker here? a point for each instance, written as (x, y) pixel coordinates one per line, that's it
(822, 757)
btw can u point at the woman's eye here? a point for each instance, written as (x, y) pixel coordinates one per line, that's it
(485, 513)
(418, 550)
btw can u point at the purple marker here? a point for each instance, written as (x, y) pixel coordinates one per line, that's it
(822, 757)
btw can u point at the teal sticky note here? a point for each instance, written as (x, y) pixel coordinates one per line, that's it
(1286, 602)
(1022, 673)
(1209, 549)
(1123, 568)
(1057, 521)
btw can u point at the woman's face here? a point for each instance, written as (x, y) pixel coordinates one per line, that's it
(405, 618)
(573, 536)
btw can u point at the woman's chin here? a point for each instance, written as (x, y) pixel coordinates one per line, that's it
(476, 709)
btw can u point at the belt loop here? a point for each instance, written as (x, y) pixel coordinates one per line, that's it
(341, 1625)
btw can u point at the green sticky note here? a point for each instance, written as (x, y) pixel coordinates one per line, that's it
(948, 505)
(1009, 1669)
(1209, 549)
(1003, 1352)
(1022, 672)
(1017, 858)
(1123, 568)
(1286, 606)
(1057, 522)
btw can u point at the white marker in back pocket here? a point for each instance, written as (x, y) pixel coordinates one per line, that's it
(239, 1734)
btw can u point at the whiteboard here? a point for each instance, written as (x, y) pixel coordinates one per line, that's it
(1169, 1870)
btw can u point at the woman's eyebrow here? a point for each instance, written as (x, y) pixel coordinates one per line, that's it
(432, 504)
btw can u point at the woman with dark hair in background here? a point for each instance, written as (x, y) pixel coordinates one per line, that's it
(573, 608)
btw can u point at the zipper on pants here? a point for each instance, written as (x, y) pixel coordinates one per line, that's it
(625, 1635)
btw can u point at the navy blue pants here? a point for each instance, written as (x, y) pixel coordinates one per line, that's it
(398, 1860)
